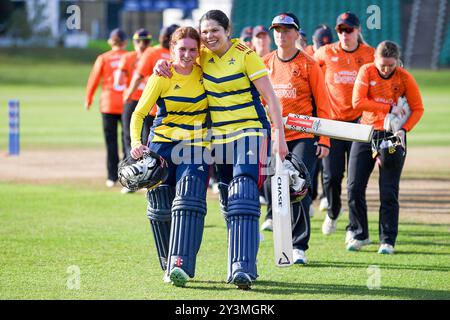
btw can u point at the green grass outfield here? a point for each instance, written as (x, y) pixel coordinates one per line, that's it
(47, 229)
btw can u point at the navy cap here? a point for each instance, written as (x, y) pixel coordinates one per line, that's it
(118, 33)
(323, 35)
(302, 33)
(247, 32)
(349, 19)
(288, 20)
(142, 34)
(259, 29)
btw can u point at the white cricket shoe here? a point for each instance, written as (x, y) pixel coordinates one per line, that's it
(356, 245)
(299, 256)
(323, 206)
(178, 277)
(329, 226)
(166, 278)
(386, 248)
(125, 190)
(109, 183)
(311, 211)
(267, 225)
(349, 235)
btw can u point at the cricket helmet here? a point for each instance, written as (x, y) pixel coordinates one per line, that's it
(389, 152)
(148, 172)
(298, 191)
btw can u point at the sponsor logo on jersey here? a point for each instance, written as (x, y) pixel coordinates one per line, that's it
(211, 60)
(345, 77)
(231, 61)
(285, 90)
(383, 100)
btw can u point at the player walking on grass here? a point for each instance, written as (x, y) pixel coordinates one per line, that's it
(144, 70)
(377, 90)
(340, 61)
(234, 77)
(111, 105)
(127, 67)
(177, 208)
(299, 85)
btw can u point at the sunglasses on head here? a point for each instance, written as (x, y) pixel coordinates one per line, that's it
(348, 30)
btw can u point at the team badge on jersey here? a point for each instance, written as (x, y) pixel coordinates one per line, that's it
(359, 61)
(373, 83)
(177, 87)
(334, 59)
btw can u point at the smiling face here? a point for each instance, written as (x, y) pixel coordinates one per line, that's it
(214, 36)
(184, 52)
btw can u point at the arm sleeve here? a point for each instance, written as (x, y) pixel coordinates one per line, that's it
(317, 83)
(319, 56)
(360, 100)
(151, 93)
(415, 103)
(145, 66)
(94, 79)
(254, 66)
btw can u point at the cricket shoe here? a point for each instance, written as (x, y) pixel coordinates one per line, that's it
(299, 257)
(323, 206)
(242, 281)
(386, 248)
(166, 278)
(125, 190)
(110, 183)
(329, 226)
(178, 277)
(311, 211)
(356, 245)
(349, 235)
(267, 225)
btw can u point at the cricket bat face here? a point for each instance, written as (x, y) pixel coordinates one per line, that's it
(281, 216)
(331, 128)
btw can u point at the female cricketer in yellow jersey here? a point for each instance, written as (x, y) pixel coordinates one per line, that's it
(177, 208)
(234, 77)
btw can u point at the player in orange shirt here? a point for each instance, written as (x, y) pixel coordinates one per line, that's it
(127, 67)
(298, 81)
(105, 67)
(261, 40)
(144, 70)
(376, 92)
(322, 36)
(340, 61)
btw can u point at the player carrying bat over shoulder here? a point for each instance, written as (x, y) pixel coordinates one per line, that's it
(298, 82)
(341, 62)
(378, 87)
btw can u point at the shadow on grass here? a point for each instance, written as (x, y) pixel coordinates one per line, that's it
(321, 290)
(337, 264)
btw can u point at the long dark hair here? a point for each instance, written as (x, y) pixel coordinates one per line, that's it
(218, 16)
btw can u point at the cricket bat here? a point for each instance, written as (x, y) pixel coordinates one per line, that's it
(331, 128)
(281, 215)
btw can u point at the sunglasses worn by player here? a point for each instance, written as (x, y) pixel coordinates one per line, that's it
(342, 29)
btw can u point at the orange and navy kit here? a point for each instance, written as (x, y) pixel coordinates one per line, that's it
(296, 83)
(375, 95)
(128, 65)
(111, 101)
(341, 68)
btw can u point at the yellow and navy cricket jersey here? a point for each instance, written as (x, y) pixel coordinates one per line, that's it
(182, 109)
(234, 103)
